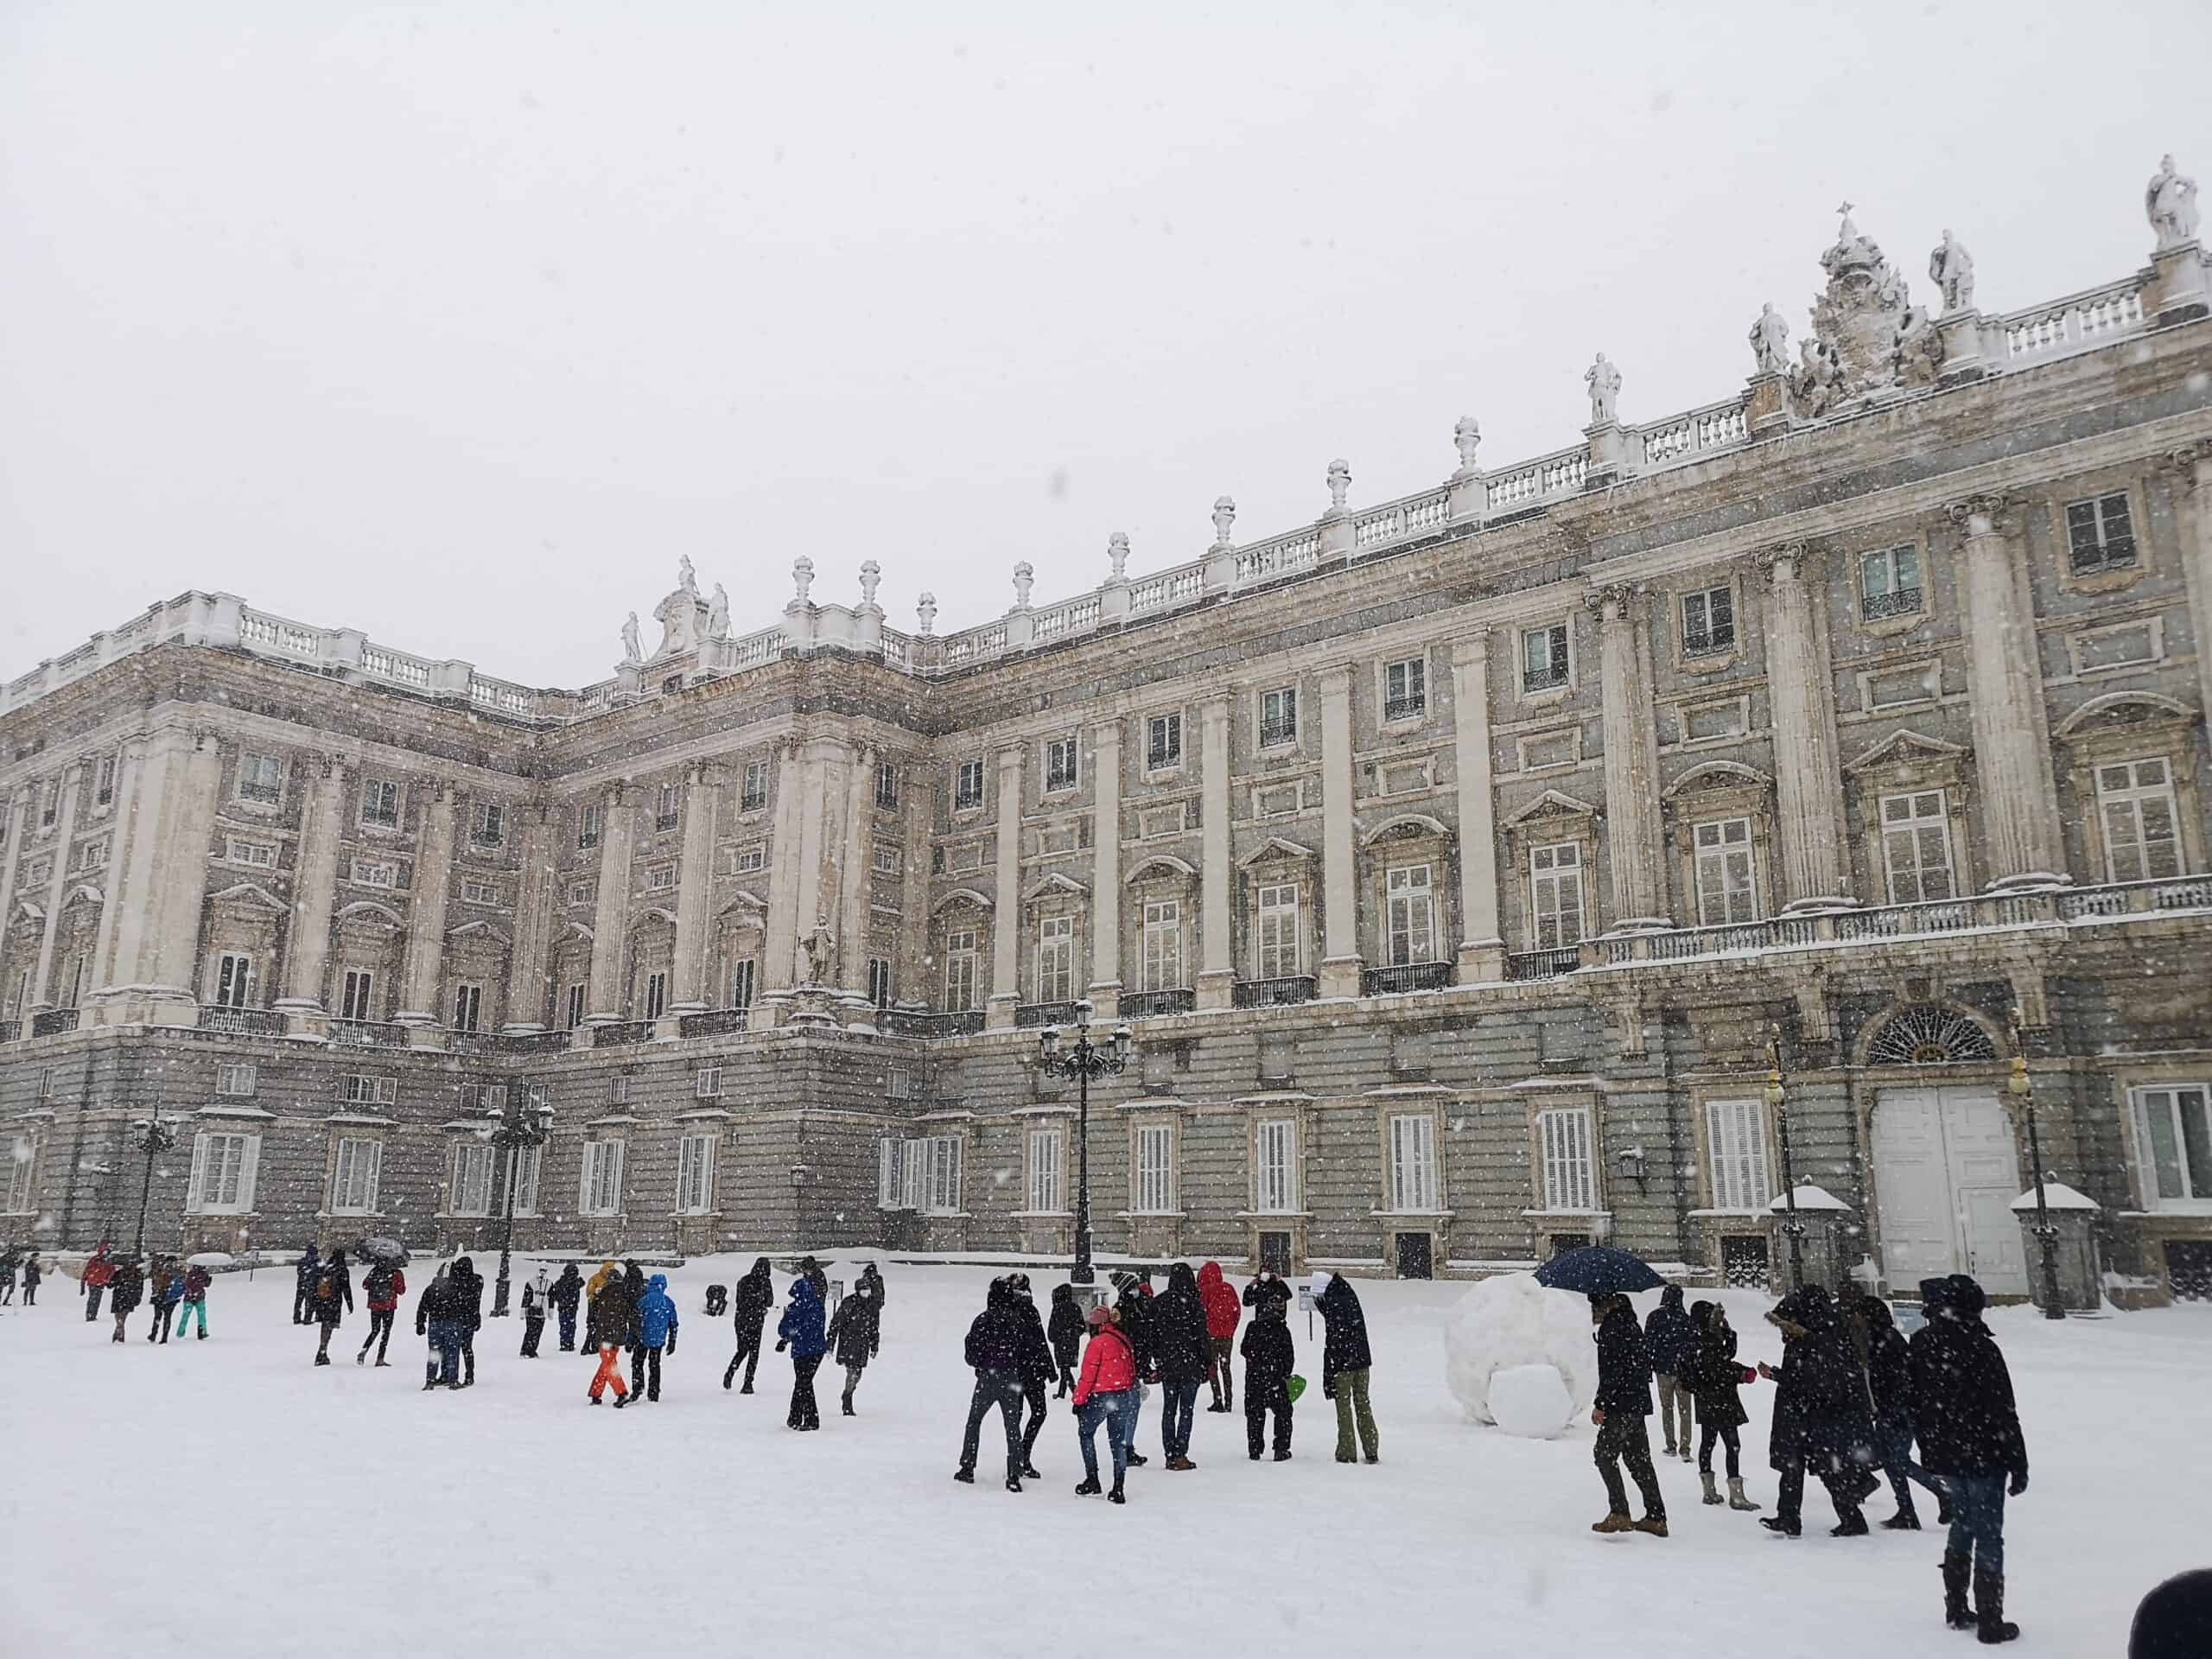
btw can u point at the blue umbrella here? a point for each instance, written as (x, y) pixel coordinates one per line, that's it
(1598, 1270)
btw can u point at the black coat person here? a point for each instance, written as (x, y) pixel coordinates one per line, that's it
(1066, 1331)
(565, 1293)
(1270, 1355)
(1183, 1350)
(1622, 1401)
(994, 1350)
(124, 1291)
(751, 1299)
(1132, 1314)
(1347, 1359)
(1266, 1289)
(1036, 1365)
(465, 1294)
(1970, 1438)
(854, 1333)
(1823, 1422)
(330, 1298)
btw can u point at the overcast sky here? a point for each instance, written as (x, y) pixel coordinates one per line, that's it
(459, 323)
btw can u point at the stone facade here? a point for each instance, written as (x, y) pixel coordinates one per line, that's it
(1453, 861)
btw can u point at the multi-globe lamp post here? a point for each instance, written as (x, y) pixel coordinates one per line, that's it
(1792, 1229)
(152, 1136)
(2023, 1093)
(1083, 1058)
(524, 1122)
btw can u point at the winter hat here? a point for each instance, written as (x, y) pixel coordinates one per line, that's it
(2175, 1619)
(1321, 1278)
(1933, 1292)
(1098, 1315)
(1963, 1292)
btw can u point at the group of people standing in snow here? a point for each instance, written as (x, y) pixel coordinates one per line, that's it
(1851, 1395)
(170, 1286)
(1178, 1341)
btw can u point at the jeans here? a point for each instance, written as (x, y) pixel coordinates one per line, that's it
(379, 1336)
(1181, 1399)
(645, 1370)
(1118, 1411)
(186, 1310)
(161, 1321)
(1256, 1408)
(852, 1382)
(1674, 1405)
(1353, 1411)
(1893, 1446)
(1622, 1438)
(1978, 1520)
(446, 1336)
(1033, 1395)
(567, 1329)
(804, 1413)
(1222, 1352)
(92, 1303)
(1708, 1432)
(1003, 1390)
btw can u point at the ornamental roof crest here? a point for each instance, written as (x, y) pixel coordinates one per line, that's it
(1869, 341)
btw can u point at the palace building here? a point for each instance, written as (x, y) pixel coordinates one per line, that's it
(1453, 860)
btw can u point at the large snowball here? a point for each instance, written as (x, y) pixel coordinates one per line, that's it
(1512, 1323)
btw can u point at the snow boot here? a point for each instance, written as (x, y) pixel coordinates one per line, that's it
(1136, 1460)
(1990, 1623)
(1736, 1498)
(1089, 1487)
(1787, 1525)
(1711, 1492)
(1654, 1524)
(1669, 1450)
(323, 1359)
(621, 1400)
(381, 1365)
(1957, 1569)
(1852, 1526)
(965, 1477)
(1014, 1483)
(1686, 1451)
(849, 1412)
(1282, 1457)
(1614, 1521)
(1114, 1497)
(1029, 1472)
(1902, 1521)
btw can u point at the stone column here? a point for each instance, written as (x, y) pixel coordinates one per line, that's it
(315, 891)
(1106, 871)
(918, 835)
(1482, 946)
(852, 885)
(1631, 764)
(2190, 470)
(1808, 773)
(169, 975)
(19, 818)
(821, 813)
(1216, 982)
(2011, 749)
(130, 763)
(610, 921)
(57, 887)
(528, 963)
(1006, 921)
(779, 941)
(426, 912)
(1340, 962)
(694, 886)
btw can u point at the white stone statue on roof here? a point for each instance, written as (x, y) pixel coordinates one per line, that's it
(2170, 203)
(1950, 267)
(718, 615)
(1770, 339)
(1604, 383)
(686, 577)
(634, 648)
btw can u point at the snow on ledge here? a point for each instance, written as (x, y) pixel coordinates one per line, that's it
(2057, 1196)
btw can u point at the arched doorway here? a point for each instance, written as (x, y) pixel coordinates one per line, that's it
(1945, 1170)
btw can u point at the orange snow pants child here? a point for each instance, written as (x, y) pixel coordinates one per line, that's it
(610, 1370)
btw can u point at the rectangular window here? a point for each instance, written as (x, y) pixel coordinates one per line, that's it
(885, 860)
(470, 1194)
(879, 981)
(359, 1001)
(488, 824)
(523, 1166)
(1544, 658)
(1405, 689)
(934, 1164)
(960, 970)
(589, 818)
(1727, 886)
(467, 1006)
(582, 892)
(371, 873)
(1056, 959)
(2135, 799)
(379, 804)
(363, 1088)
(234, 981)
(660, 878)
(1412, 1164)
(1059, 764)
(898, 1083)
(1161, 969)
(669, 812)
(1563, 1147)
(576, 1007)
(1163, 741)
(1278, 716)
(1274, 1166)
(235, 1080)
(707, 1085)
(968, 785)
(2099, 535)
(741, 983)
(1889, 583)
(1044, 1171)
(887, 786)
(353, 1182)
(1280, 950)
(2174, 1140)
(617, 1089)
(1555, 894)
(1412, 915)
(50, 808)
(259, 855)
(261, 778)
(656, 994)
(890, 1171)
(750, 861)
(479, 892)
(1735, 1144)
(23, 1154)
(695, 1174)
(1916, 847)
(104, 788)
(753, 795)
(601, 1193)
(1155, 1170)
(222, 1174)
(92, 855)
(1708, 622)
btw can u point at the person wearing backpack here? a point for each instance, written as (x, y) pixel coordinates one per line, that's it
(329, 1299)
(194, 1301)
(656, 1334)
(1270, 1357)
(168, 1287)
(308, 1270)
(384, 1288)
(1065, 1330)
(125, 1287)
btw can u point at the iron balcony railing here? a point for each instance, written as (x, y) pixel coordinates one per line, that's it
(1274, 993)
(1143, 1005)
(715, 1022)
(620, 1033)
(367, 1034)
(54, 1022)
(240, 1022)
(1543, 964)
(1045, 1014)
(1406, 976)
(1906, 602)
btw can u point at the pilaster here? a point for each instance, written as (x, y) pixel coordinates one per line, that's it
(426, 910)
(527, 966)
(315, 890)
(1340, 961)
(852, 874)
(695, 881)
(779, 942)
(2190, 470)
(610, 922)
(18, 824)
(129, 766)
(1631, 764)
(1216, 982)
(167, 978)
(1106, 870)
(1481, 947)
(1807, 774)
(57, 887)
(1006, 917)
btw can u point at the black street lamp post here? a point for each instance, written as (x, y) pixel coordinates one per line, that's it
(1792, 1229)
(2017, 1086)
(1083, 1059)
(525, 1121)
(153, 1137)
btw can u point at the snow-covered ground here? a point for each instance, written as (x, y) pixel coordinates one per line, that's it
(225, 1497)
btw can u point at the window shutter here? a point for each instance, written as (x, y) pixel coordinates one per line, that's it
(249, 1163)
(886, 1174)
(193, 1193)
(376, 1175)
